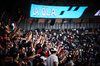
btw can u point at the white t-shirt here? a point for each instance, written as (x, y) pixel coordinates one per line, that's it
(51, 59)
(71, 62)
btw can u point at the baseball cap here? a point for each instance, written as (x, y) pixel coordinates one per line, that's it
(54, 49)
(44, 58)
(45, 48)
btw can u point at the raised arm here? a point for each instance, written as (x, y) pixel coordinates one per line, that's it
(64, 57)
(30, 57)
(30, 36)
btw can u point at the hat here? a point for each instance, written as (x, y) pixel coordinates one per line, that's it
(45, 48)
(54, 49)
(44, 58)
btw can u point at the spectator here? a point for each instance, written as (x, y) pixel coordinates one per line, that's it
(44, 51)
(15, 58)
(74, 47)
(43, 62)
(52, 60)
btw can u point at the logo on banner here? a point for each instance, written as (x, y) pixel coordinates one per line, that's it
(43, 11)
(97, 13)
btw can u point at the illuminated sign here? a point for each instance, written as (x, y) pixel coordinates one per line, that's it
(97, 13)
(44, 11)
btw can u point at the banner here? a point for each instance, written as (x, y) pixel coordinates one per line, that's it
(91, 12)
(46, 11)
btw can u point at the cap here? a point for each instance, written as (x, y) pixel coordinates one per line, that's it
(45, 48)
(44, 58)
(54, 49)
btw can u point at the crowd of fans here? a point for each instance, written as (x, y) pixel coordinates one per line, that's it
(48, 47)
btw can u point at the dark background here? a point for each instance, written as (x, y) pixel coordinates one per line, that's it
(15, 8)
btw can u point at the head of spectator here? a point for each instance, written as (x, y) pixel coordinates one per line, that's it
(38, 46)
(15, 56)
(14, 50)
(33, 50)
(45, 50)
(24, 42)
(22, 49)
(53, 51)
(6, 59)
(43, 60)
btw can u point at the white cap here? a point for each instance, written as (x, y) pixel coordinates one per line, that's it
(42, 57)
(53, 49)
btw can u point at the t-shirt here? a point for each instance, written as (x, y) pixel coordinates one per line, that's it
(21, 56)
(72, 64)
(51, 59)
